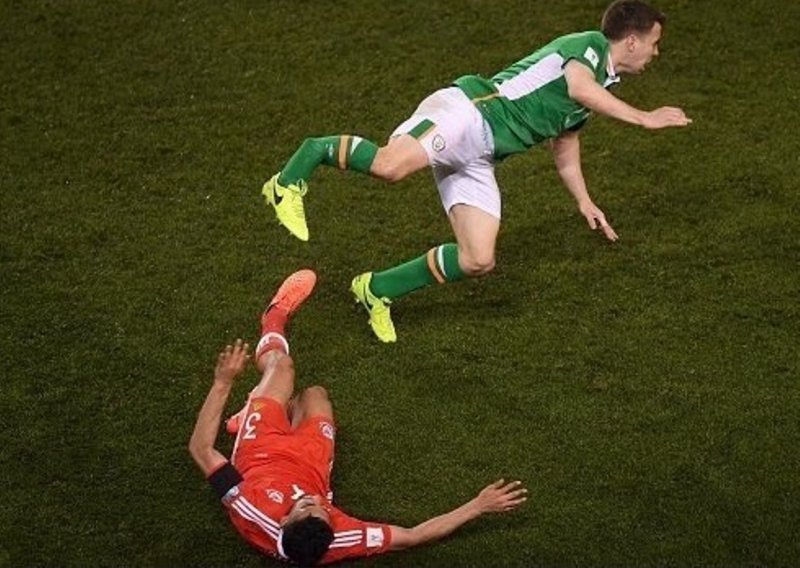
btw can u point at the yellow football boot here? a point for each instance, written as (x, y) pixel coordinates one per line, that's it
(380, 318)
(288, 204)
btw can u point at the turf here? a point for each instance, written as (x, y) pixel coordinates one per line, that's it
(646, 392)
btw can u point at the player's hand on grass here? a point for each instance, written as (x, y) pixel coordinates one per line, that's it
(597, 219)
(664, 117)
(231, 362)
(500, 497)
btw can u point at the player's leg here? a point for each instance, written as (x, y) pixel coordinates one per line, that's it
(313, 402)
(277, 381)
(272, 352)
(471, 198)
(285, 190)
(431, 135)
(472, 201)
(476, 234)
(345, 151)
(402, 156)
(376, 290)
(277, 377)
(408, 151)
(456, 141)
(265, 412)
(314, 430)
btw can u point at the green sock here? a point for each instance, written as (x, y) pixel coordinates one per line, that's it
(440, 264)
(346, 152)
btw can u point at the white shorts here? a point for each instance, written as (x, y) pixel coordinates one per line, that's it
(460, 149)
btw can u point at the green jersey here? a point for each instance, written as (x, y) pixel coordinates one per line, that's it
(528, 102)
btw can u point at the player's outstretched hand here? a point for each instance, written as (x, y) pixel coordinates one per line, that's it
(664, 117)
(596, 218)
(500, 496)
(231, 362)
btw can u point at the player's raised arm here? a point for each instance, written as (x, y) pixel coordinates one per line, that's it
(583, 88)
(498, 497)
(230, 364)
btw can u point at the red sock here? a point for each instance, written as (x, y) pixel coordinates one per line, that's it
(274, 320)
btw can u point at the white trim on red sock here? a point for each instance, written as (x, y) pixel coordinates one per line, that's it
(261, 348)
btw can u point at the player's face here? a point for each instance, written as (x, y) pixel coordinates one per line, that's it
(643, 48)
(308, 506)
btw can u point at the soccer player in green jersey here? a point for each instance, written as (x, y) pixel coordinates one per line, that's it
(460, 132)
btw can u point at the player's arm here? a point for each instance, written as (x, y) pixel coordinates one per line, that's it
(583, 88)
(495, 498)
(567, 156)
(230, 364)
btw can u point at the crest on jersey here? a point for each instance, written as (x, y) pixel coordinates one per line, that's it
(438, 143)
(592, 57)
(327, 430)
(374, 537)
(275, 495)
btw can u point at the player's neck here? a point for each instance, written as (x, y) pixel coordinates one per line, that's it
(618, 52)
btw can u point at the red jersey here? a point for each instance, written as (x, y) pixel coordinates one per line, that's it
(279, 466)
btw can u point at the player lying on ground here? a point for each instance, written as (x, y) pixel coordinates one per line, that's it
(460, 132)
(276, 486)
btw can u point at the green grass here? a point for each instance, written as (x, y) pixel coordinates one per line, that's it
(646, 392)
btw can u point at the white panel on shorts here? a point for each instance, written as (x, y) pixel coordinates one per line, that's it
(460, 150)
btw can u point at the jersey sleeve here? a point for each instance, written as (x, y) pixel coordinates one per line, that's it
(354, 538)
(585, 48)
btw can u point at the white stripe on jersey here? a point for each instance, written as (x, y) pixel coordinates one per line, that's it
(344, 539)
(249, 516)
(344, 544)
(260, 514)
(354, 538)
(279, 542)
(252, 514)
(545, 71)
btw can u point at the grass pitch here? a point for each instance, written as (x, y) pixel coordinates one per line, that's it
(646, 392)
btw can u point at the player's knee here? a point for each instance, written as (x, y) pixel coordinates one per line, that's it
(316, 392)
(477, 264)
(386, 167)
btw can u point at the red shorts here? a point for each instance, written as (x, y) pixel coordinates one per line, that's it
(266, 438)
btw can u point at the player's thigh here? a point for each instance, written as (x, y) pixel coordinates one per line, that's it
(316, 437)
(472, 200)
(446, 127)
(265, 423)
(401, 157)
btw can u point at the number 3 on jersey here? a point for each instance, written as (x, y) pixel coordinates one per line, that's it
(250, 426)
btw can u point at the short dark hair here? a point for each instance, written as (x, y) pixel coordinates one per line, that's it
(624, 17)
(306, 541)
